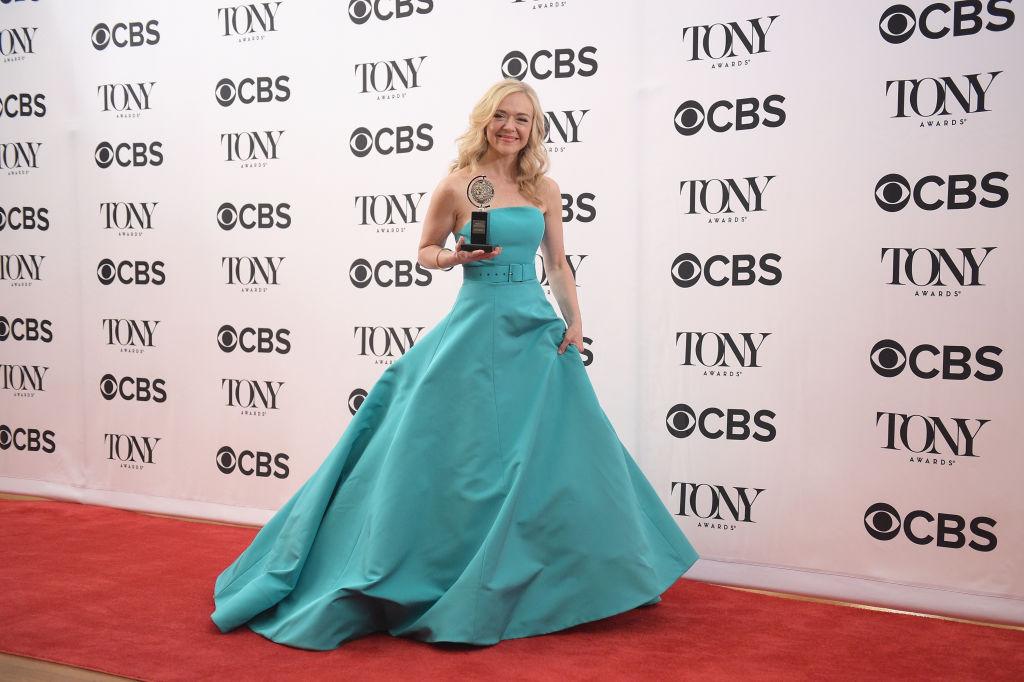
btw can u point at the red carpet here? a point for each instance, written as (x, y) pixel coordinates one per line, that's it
(130, 594)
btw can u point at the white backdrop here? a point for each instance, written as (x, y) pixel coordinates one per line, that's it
(186, 331)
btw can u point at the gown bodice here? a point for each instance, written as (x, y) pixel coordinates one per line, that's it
(518, 230)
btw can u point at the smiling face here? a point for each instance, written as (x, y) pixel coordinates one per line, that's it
(509, 128)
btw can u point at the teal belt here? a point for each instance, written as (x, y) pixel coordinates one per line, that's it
(493, 272)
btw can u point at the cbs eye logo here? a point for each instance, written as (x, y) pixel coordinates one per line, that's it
(100, 36)
(361, 142)
(104, 154)
(689, 117)
(888, 358)
(686, 270)
(681, 421)
(515, 65)
(892, 193)
(897, 24)
(882, 521)
(361, 273)
(355, 399)
(359, 11)
(225, 92)
(227, 216)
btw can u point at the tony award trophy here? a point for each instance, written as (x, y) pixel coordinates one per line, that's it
(480, 192)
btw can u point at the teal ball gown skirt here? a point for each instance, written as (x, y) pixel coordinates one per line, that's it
(479, 493)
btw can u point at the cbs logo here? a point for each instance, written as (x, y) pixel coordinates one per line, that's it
(251, 340)
(137, 34)
(691, 116)
(883, 522)
(682, 421)
(360, 11)
(248, 463)
(130, 272)
(889, 359)
(139, 389)
(687, 270)
(248, 90)
(899, 22)
(567, 63)
(397, 273)
(27, 440)
(893, 192)
(363, 141)
(128, 154)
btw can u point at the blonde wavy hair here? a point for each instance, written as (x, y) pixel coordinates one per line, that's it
(472, 144)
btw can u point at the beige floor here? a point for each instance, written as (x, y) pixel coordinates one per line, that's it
(32, 670)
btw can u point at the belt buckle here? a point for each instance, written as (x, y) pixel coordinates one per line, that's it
(515, 272)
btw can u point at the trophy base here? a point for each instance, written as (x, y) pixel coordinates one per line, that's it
(486, 248)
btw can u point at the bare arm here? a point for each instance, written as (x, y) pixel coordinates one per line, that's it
(437, 225)
(563, 286)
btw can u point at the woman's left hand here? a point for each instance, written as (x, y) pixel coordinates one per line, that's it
(573, 335)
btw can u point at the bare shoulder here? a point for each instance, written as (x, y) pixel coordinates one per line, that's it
(549, 184)
(457, 178)
(447, 183)
(447, 190)
(550, 191)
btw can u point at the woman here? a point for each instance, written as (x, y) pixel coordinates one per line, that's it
(480, 492)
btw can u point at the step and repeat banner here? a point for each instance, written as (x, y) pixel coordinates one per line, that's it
(792, 227)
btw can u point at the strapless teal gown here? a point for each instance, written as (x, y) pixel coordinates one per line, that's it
(479, 493)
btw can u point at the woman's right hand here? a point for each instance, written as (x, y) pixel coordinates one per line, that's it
(462, 256)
